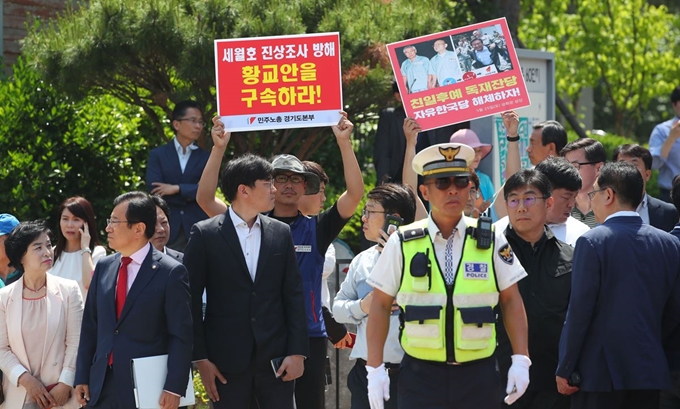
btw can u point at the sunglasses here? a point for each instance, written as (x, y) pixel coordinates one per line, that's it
(527, 201)
(461, 182)
(293, 178)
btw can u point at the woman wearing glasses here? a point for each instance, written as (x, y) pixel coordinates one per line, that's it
(40, 317)
(78, 248)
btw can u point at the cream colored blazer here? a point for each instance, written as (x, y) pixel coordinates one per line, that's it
(64, 315)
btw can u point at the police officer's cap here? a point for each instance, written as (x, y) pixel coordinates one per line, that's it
(444, 160)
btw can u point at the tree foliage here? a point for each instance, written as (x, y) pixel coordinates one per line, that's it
(54, 147)
(626, 48)
(156, 53)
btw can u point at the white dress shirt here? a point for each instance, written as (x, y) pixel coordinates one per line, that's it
(643, 209)
(183, 156)
(250, 239)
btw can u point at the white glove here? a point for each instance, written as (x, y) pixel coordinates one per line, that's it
(378, 386)
(518, 378)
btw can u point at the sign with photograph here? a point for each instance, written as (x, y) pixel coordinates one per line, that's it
(458, 75)
(279, 82)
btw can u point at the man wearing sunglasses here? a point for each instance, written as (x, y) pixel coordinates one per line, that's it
(545, 291)
(447, 283)
(624, 301)
(312, 236)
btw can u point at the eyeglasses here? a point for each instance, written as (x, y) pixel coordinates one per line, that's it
(268, 183)
(461, 182)
(110, 222)
(194, 121)
(527, 201)
(591, 194)
(293, 178)
(475, 194)
(578, 165)
(367, 213)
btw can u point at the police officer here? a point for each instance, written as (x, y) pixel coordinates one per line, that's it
(447, 274)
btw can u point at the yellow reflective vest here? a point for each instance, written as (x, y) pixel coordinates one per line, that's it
(446, 323)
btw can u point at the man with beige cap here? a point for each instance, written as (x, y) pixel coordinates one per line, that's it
(447, 273)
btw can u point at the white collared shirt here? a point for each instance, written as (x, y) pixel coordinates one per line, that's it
(643, 209)
(183, 157)
(622, 213)
(387, 272)
(249, 238)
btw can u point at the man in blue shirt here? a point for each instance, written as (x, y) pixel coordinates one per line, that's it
(665, 149)
(445, 66)
(416, 71)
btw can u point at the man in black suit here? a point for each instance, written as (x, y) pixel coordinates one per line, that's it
(138, 305)
(161, 235)
(653, 211)
(255, 311)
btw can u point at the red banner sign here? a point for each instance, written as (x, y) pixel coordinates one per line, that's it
(279, 82)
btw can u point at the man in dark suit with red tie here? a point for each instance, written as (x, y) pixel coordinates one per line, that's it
(255, 308)
(138, 305)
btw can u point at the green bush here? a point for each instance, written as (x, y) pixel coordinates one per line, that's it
(54, 148)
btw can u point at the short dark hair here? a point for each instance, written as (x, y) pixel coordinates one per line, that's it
(625, 179)
(395, 198)
(141, 209)
(560, 173)
(181, 109)
(474, 178)
(20, 238)
(476, 39)
(160, 202)
(675, 95)
(634, 150)
(528, 177)
(81, 208)
(553, 132)
(675, 192)
(244, 170)
(593, 149)
(315, 168)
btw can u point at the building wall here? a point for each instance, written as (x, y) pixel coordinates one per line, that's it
(15, 15)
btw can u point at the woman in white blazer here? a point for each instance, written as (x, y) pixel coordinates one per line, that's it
(40, 316)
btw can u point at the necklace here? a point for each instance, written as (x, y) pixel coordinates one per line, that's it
(36, 290)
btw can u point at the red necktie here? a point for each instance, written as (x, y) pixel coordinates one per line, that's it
(121, 291)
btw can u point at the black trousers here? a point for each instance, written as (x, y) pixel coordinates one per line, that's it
(257, 383)
(357, 383)
(627, 399)
(435, 385)
(311, 386)
(109, 397)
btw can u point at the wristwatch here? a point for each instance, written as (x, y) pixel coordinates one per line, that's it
(512, 138)
(85, 250)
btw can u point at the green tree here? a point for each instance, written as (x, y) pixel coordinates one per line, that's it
(154, 54)
(54, 147)
(626, 48)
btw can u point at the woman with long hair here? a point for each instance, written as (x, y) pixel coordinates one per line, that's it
(40, 317)
(77, 250)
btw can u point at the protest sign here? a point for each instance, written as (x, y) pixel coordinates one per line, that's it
(278, 82)
(458, 75)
